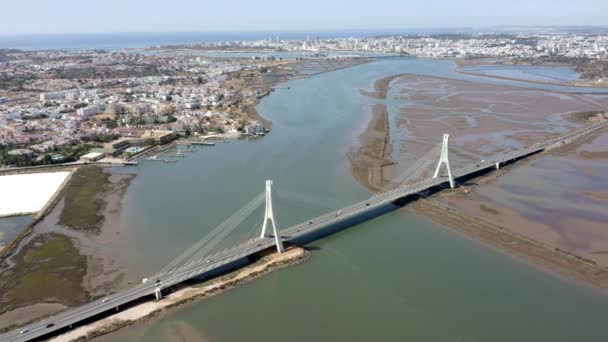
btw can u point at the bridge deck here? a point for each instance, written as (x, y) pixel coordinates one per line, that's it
(250, 247)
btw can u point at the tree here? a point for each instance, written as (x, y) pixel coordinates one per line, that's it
(199, 80)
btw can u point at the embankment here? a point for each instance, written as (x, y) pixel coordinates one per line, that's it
(10, 248)
(538, 254)
(270, 262)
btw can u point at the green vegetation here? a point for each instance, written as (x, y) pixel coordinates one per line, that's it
(101, 138)
(584, 116)
(70, 152)
(82, 203)
(49, 268)
(111, 124)
(73, 152)
(216, 129)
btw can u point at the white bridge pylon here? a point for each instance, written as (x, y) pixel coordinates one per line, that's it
(443, 159)
(269, 215)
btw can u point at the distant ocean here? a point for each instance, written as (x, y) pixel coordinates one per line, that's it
(116, 41)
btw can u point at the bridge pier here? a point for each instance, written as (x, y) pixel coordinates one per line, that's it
(269, 215)
(158, 294)
(443, 159)
(497, 166)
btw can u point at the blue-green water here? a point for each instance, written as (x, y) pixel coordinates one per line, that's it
(527, 72)
(122, 40)
(396, 277)
(11, 226)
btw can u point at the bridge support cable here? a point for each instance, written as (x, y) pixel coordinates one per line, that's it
(417, 170)
(269, 216)
(422, 167)
(313, 201)
(215, 235)
(225, 231)
(444, 160)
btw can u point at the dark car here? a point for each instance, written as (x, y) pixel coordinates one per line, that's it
(50, 325)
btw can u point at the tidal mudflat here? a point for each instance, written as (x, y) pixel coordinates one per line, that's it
(67, 259)
(549, 210)
(482, 119)
(558, 198)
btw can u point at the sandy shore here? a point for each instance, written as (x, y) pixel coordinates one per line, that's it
(370, 163)
(463, 209)
(148, 310)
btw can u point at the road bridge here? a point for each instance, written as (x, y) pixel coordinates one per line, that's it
(193, 267)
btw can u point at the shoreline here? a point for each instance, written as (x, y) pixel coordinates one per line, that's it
(562, 84)
(150, 310)
(7, 250)
(551, 260)
(548, 258)
(372, 160)
(582, 83)
(65, 247)
(101, 274)
(251, 108)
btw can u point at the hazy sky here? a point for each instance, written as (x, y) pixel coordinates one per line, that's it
(73, 16)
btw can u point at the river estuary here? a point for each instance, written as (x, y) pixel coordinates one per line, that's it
(396, 277)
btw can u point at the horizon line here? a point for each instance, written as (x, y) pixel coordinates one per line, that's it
(328, 30)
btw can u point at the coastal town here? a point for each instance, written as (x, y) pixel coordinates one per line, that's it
(442, 45)
(318, 171)
(125, 244)
(57, 106)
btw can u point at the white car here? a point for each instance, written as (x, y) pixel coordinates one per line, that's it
(23, 331)
(105, 300)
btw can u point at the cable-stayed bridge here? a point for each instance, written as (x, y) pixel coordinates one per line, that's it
(199, 260)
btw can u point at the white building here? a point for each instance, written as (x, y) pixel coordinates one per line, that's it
(55, 95)
(254, 128)
(86, 112)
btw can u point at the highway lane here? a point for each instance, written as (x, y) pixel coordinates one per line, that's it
(198, 267)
